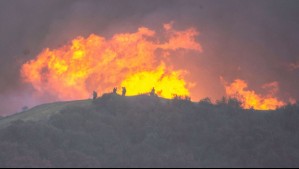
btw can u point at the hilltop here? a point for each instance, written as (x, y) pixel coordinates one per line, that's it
(144, 131)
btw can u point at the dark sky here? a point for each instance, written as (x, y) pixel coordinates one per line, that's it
(254, 40)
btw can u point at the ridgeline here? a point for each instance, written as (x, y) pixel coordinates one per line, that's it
(147, 131)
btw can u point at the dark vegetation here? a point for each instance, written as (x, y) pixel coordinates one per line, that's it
(143, 131)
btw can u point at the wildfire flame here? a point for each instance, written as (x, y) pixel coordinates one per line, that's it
(131, 60)
(250, 99)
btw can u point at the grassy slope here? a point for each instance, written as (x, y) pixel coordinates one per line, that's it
(45, 111)
(144, 131)
(42, 112)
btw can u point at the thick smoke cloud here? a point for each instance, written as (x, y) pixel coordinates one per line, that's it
(251, 40)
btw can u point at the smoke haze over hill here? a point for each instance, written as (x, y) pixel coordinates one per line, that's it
(251, 40)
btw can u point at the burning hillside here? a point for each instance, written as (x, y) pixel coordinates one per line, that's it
(138, 61)
(132, 60)
(250, 99)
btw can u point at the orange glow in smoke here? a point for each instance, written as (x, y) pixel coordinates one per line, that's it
(131, 60)
(250, 99)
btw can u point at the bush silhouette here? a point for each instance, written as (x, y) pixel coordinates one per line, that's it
(143, 132)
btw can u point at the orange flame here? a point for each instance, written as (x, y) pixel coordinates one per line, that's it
(131, 60)
(250, 99)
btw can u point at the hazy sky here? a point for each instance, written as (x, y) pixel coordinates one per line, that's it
(254, 40)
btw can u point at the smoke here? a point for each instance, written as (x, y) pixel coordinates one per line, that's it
(251, 40)
(136, 61)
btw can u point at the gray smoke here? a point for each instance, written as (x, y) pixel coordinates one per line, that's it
(252, 40)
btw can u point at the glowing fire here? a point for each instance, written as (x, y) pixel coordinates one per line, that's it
(250, 99)
(131, 60)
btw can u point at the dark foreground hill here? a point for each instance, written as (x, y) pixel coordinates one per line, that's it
(144, 131)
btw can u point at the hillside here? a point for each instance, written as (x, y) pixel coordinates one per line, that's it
(144, 131)
(42, 112)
